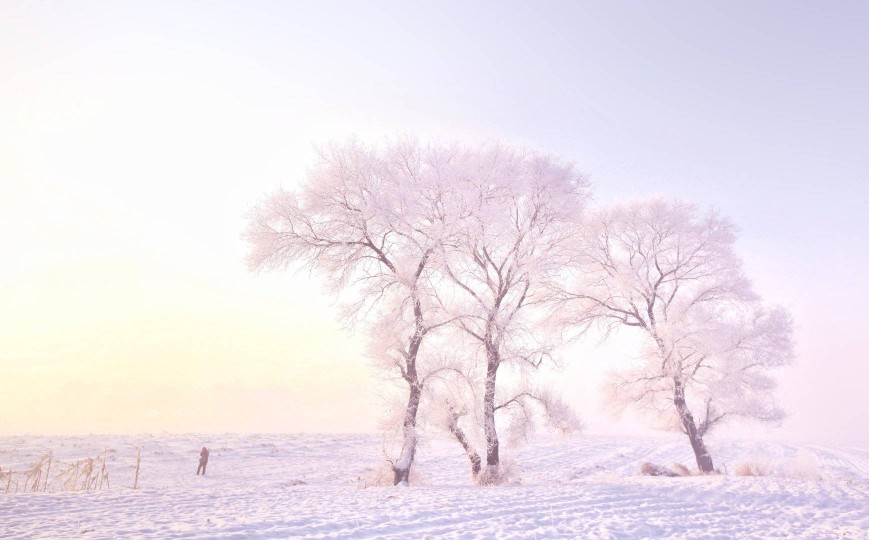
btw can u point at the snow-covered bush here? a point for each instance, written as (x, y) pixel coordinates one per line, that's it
(383, 475)
(680, 469)
(804, 466)
(506, 472)
(650, 469)
(753, 467)
(379, 476)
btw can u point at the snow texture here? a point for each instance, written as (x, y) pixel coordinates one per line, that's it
(294, 486)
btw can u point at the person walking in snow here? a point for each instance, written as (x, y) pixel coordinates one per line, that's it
(203, 461)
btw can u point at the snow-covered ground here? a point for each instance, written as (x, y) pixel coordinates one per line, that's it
(583, 487)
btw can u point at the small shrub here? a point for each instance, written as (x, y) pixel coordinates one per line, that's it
(751, 467)
(378, 476)
(804, 466)
(383, 475)
(680, 469)
(650, 469)
(489, 476)
(505, 473)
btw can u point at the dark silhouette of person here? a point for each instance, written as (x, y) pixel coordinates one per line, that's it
(203, 461)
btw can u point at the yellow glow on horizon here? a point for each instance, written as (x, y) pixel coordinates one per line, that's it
(124, 347)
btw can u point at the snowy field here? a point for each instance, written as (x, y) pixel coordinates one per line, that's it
(584, 487)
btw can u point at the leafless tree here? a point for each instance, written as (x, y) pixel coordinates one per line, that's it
(372, 222)
(664, 269)
(519, 208)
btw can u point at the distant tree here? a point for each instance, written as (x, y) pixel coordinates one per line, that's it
(518, 209)
(664, 269)
(372, 222)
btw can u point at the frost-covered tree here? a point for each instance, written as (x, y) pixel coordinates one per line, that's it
(518, 207)
(522, 405)
(372, 222)
(669, 271)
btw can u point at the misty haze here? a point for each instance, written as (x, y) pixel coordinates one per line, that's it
(441, 270)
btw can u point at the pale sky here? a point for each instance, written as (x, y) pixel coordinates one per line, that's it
(133, 137)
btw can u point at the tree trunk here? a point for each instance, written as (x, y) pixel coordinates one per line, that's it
(704, 460)
(401, 468)
(492, 457)
(473, 456)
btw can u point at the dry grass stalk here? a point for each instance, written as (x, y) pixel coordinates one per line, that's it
(47, 472)
(8, 476)
(138, 462)
(67, 478)
(104, 472)
(33, 477)
(85, 474)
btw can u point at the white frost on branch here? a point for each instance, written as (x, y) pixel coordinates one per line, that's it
(669, 271)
